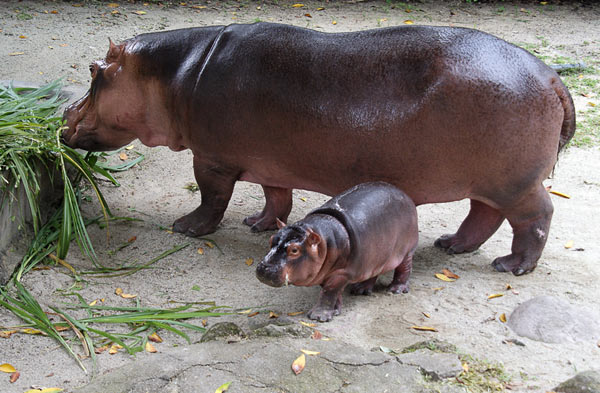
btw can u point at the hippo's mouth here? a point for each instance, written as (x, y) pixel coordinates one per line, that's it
(273, 275)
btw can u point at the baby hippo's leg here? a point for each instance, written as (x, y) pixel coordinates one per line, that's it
(330, 301)
(363, 287)
(399, 283)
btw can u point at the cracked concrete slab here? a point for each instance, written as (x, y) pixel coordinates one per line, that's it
(261, 365)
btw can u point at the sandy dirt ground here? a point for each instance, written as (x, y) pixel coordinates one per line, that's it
(61, 39)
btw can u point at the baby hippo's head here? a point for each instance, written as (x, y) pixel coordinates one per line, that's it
(296, 256)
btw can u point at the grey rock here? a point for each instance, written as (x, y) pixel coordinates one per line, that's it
(222, 330)
(437, 365)
(276, 330)
(261, 365)
(585, 382)
(433, 345)
(553, 320)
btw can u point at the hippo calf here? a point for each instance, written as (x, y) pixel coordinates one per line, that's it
(442, 113)
(354, 237)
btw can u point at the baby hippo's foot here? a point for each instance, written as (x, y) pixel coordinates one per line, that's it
(514, 263)
(322, 314)
(398, 288)
(363, 287)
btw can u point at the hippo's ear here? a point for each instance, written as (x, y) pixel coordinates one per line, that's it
(313, 238)
(114, 51)
(280, 224)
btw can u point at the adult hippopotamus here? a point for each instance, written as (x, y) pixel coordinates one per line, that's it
(442, 113)
(357, 235)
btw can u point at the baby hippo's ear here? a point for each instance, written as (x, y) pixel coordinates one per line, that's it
(114, 51)
(280, 224)
(313, 238)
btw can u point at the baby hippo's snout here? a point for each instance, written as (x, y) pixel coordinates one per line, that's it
(270, 274)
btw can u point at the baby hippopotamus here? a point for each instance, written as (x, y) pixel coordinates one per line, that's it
(354, 237)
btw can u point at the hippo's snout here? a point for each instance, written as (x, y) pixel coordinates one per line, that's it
(270, 274)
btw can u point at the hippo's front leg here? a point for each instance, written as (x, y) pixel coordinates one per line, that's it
(216, 186)
(330, 300)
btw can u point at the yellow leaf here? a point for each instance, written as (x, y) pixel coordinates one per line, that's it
(508, 286)
(199, 7)
(465, 367)
(320, 9)
(112, 5)
(449, 274)
(273, 315)
(51, 390)
(437, 289)
(123, 156)
(334, 22)
(155, 338)
(298, 5)
(115, 12)
(442, 277)
(409, 22)
(543, 2)
(495, 295)
(16, 53)
(22, 36)
(31, 331)
(248, 311)
(114, 349)
(569, 244)
(209, 245)
(140, 12)
(249, 261)
(383, 20)
(128, 296)
(118, 291)
(293, 314)
(427, 315)
(309, 353)
(503, 318)
(308, 324)
(7, 333)
(424, 328)
(204, 323)
(223, 388)
(7, 368)
(150, 348)
(560, 194)
(200, 251)
(299, 364)
(129, 147)
(93, 303)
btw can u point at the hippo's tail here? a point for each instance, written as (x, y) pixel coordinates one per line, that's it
(568, 126)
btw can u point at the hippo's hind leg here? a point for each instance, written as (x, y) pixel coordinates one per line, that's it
(399, 283)
(481, 223)
(278, 205)
(530, 220)
(216, 186)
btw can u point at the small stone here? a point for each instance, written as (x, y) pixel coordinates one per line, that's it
(584, 382)
(437, 365)
(221, 330)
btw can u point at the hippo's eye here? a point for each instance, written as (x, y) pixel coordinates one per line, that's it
(293, 251)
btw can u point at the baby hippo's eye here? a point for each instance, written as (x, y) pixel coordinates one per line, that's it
(293, 251)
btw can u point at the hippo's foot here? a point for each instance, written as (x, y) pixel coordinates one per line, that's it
(323, 314)
(363, 287)
(398, 288)
(278, 206)
(513, 263)
(196, 224)
(481, 223)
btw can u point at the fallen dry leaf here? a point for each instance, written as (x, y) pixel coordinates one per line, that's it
(118, 291)
(128, 296)
(449, 274)
(569, 244)
(123, 156)
(139, 12)
(46, 390)
(309, 353)
(334, 22)
(465, 367)
(248, 311)
(495, 295)
(293, 314)
(7, 368)
(223, 388)
(16, 53)
(560, 194)
(200, 251)
(14, 376)
(114, 349)
(112, 5)
(249, 261)
(316, 335)
(503, 318)
(255, 313)
(204, 323)
(308, 16)
(298, 5)
(299, 364)
(443, 277)
(150, 348)
(129, 147)
(199, 7)
(273, 315)
(93, 303)
(54, 12)
(22, 36)
(427, 315)
(132, 239)
(508, 286)
(308, 324)
(7, 333)
(31, 331)
(320, 9)
(424, 328)
(155, 338)
(101, 349)
(437, 289)
(409, 22)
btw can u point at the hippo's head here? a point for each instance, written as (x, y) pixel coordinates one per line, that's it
(102, 119)
(296, 257)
